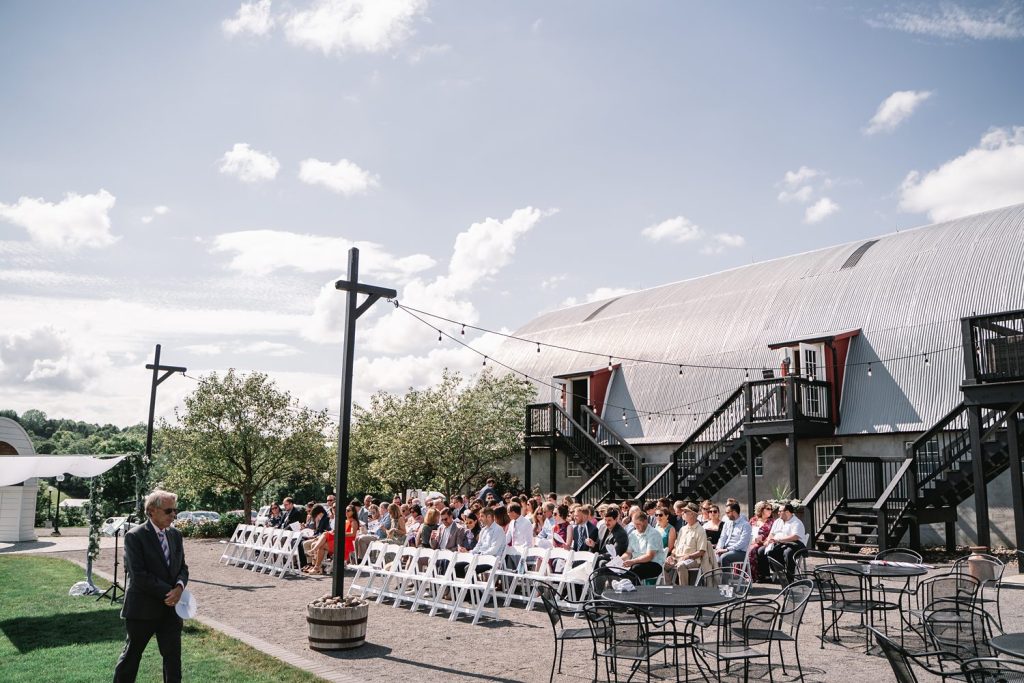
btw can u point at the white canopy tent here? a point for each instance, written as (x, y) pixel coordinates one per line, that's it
(20, 469)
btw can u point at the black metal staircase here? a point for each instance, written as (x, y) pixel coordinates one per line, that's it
(863, 502)
(614, 467)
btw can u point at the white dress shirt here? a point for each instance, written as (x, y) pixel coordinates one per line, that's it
(520, 532)
(491, 540)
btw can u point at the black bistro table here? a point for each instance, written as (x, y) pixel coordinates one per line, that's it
(1009, 643)
(669, 598)
(868, 571)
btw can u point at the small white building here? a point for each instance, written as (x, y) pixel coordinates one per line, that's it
(18, 501)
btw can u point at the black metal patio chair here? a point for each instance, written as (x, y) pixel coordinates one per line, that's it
(988, 569)
(558, 607)
(739, 632)
(902, 661)
(621, 634)
(991, 670)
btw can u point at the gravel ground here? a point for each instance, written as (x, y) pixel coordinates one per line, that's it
(402, 645)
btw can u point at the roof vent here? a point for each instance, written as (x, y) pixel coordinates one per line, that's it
(856, 256)
(601, 308)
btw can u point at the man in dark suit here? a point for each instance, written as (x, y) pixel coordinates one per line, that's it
(613, 540)
(154, 563)
(584, 532)
(449, 536)
(290, 513)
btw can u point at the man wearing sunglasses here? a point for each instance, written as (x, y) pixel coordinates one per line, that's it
(154, 563)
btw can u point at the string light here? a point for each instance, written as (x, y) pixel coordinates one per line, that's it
(746, 373)
(680, 370)
(609, 362)
(439, 335)
(463, 329)
(538, 347)
(485, 362)
(925, 359)
(869, 369)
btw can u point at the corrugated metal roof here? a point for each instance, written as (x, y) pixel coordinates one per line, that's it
(11, 432)
(906, 293)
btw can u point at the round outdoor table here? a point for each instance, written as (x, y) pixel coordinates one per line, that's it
(885, 571)
(1009, 643)
(868, 572)
(669, 597)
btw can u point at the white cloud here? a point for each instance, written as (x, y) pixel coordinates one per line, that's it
(794, 179)
(260, 252)
(146, 220)
(988, 176)
(679, 229)
(76, 221)
(480, 253)
(721, 241)
(161, 210)
(895, 109)
(51, 278)
(203, 349)
(422, 53)
(249, 165)
(252, 17)
(48, 357)
(339, 26)
(953, 21)
(269, 348)
(553, 281)
(343, 177)
(820, 210)
(802, 194)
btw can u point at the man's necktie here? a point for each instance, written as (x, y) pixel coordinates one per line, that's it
(163, 544)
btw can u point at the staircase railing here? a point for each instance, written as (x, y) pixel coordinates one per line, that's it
(630, 459)
(948, 444)
(722, 425)
(789, 398)
(827, 496)
(551, 420)
(591, 491)
(661, 485)
(895, 503)
(850, 480)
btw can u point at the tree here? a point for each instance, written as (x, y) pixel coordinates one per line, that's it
(240, 433)
(449, 437)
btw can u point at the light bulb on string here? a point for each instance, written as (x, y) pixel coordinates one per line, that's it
(926, 363)
(746, 373)
(680, 370)
(538, 347)
(869, 369)
(609, 362)
(485, 362)
(439, 335)
(463, 330)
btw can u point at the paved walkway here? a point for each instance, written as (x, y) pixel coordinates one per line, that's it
(269, 614)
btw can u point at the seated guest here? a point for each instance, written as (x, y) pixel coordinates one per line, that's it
(472, 529)
(501, 517)
(692, 554)
(395, 532)
(584, 531)
(372, 532)
(713, 524)
(457, 506)
(645, 555)
(413, 522)
(784, 541)
(290, 514)
(519, 532)
(323, 546)
(538, 523)
(613, 541)
(275, 516)
(448, 535)
(547, 510)
(667, 531)
(736, 535)
(490, 541)
(766, 523)
(318, 523)
(676, 518)
(560, 534)
(429, 526)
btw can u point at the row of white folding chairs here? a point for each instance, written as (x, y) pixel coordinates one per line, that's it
(263, 549)
(423, 577)
(560, 568)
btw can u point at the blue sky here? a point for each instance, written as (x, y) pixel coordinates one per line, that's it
(193, 173)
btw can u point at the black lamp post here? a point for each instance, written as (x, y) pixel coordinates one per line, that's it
(56, 512)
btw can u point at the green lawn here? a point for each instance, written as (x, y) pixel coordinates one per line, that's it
(47, 635)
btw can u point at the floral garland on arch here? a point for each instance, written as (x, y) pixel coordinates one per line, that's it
(95, 518)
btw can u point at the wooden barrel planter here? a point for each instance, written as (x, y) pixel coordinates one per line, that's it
(336, 623)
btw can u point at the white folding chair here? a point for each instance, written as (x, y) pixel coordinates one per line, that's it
(577, 576)
(398, 573)
(448, 587)
(474, 595)
(232, 546)
(442, 566)
(532, 567)
(381, 570)
(412, 579)
(372, 560)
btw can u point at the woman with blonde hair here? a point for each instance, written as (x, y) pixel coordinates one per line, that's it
(761, 525)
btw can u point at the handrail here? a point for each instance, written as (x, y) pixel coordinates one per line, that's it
(666, 470)
(601, 472)
(579, 430)
(888, 508)
(824, 499)
(591, 415)
(706, 424)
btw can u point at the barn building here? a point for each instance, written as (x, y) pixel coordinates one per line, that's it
(878, 381)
